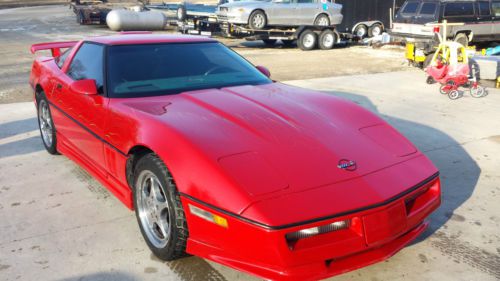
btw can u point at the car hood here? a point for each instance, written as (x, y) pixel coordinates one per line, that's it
(274, 140)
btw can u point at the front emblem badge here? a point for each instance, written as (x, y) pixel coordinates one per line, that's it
(347, 165)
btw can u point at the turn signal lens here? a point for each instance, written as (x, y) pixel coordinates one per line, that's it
(218, 220)
(308, 232)
(436, 29)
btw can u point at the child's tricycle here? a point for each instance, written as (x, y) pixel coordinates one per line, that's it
(450, 68)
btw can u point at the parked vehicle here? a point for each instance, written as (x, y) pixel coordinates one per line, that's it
(222, 162)
(480, 18)
(261, 14)
(367, 18)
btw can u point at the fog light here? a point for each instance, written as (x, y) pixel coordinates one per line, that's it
(308, 232)
(218, 220)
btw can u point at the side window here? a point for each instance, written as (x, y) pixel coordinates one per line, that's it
(428, 9)
(410, 8)
(62, 58)
(305, 1)
(495, 7)
(484, 8)
(458, 9)
(88, 64)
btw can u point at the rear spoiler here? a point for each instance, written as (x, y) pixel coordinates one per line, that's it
(55, 47)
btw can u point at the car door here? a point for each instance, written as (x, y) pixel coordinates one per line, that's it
(82, 127)
(282, 12)
(307, 11)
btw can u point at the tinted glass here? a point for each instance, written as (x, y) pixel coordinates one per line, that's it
(305, 1)
(484, 8)
(495, 7)
(459, 9)
(410, 8)
(62, 58)
(163, 69)
(88, 64)
(428, 9)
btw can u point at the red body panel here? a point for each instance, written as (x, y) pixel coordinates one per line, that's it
(263, 157)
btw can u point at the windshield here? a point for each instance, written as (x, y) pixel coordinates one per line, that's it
(171, 68)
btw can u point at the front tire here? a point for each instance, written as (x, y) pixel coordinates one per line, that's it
(46, 125)
(158, 209)
(257, 20)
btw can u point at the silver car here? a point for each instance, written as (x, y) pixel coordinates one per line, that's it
(261, 14)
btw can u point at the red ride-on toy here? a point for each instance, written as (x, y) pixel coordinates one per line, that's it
(450, 68)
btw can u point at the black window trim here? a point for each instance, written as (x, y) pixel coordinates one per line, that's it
(474, 13)
(108, 47)
(436, 6)
(419, 5)
(104, 64)
(490, 8)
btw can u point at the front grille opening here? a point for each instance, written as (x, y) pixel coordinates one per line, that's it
(305, 233)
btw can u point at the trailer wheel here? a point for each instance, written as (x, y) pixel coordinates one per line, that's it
(327, 39)
(257, 20)
(375, 30)
(307, 40)
(361, 31)
(269, 42)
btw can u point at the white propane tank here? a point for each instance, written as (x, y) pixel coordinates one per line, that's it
(125, 20)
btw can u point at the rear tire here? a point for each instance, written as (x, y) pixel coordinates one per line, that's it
(327, 39)
(307, 40)
(375, 30)
(257, 20)
(322, 20)
(46, 124)
(462, 39)
(158, 209)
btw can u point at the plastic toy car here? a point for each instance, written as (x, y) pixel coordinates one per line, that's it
(450, 68)
(219, 161)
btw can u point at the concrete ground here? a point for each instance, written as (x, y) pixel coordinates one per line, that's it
(57, 223)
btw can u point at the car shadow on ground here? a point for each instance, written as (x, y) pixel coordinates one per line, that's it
(459, 171)
(103, 276)
(195, 268)
(22, 145)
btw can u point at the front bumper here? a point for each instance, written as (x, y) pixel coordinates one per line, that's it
(373, 235)
(233, 17)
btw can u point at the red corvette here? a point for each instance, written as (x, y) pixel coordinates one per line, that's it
(221, 162)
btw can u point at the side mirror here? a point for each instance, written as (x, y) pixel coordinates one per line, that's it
(84, 87)
(264, 71)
